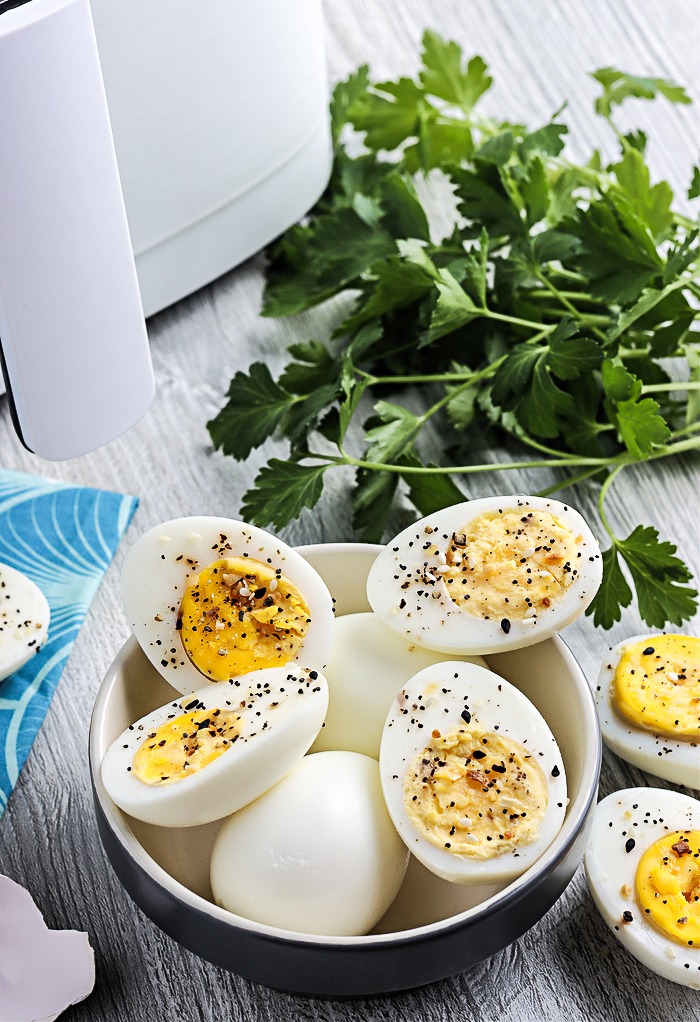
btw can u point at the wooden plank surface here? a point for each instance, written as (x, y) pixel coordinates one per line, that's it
(569, 966)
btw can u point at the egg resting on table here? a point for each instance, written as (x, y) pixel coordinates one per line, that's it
(203, 757)
(24, 620)
(316, 854)
(487, 575)
(648, 701)
(471, 773)
(643, 870)
(368, 665)
(210, 599)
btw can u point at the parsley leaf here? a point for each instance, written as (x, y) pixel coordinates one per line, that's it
(614, 593)
(618, 86)
(255, 410)
(445, 75)
(282, 490)
(658, 576)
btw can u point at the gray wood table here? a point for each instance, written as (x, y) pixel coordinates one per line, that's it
(567, 967)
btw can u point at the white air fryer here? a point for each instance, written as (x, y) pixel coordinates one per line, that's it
(139, 159)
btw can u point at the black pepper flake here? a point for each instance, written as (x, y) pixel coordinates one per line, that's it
(478, 754)
(627, 916)
(505, 625)
(555, 771)
(466, 716)
(629, 844)
(648, 651)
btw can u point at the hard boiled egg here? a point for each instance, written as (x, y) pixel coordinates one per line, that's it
(369, 664)
(648, 699)
(487, 575)
(212, 598)
(203, 757)
(472, 776)
(643, 870)
(318, 853)
(24, 620)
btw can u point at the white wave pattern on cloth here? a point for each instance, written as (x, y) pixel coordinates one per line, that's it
(63, 537)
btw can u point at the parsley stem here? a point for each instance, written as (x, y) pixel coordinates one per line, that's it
(579, 477)
(471, 469)
(601, 499)
(561, 297)
(580, 296)
(659, 388)
(501, 316)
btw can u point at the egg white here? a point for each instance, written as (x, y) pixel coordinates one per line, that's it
(641, 815)
(24, 620)
(494, 705)
(425, 614)
(315, 854)
(165, 560)
(368, 665)
(281, 711)
(675, 761)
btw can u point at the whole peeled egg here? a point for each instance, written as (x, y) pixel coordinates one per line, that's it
(369, 664)
(487, 575)
(317, 853)
(211, 599)
(472, 775)
(643, 870)
(24, 619)
(648, 701)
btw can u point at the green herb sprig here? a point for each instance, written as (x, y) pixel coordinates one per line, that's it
(551, 311)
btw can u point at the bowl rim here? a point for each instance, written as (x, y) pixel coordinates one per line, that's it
(510, 895)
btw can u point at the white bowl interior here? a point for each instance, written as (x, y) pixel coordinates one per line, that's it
(546, 672)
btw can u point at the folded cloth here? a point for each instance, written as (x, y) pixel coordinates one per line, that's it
(63, 538)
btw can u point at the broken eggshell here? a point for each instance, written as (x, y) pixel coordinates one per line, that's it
(42, 971)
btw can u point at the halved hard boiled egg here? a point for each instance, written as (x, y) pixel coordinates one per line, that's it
(643, 870)
(648, 700)
(472, 775)
(205, 756)
(368, 665)
(210, 599)
(24, 620)
(487, 575)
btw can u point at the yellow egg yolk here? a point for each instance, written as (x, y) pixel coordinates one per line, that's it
(184, 745)
(668, 885)
(475, 793)
(511, 564)
(657, 685)
(241, 615)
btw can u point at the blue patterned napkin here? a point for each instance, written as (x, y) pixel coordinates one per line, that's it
(63, 537)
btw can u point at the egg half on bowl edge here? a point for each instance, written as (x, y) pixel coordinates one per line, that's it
(487, 575)
(210, 599)
(202, 757)
(472, 775)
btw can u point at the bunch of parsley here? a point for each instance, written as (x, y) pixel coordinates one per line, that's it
(552, 311)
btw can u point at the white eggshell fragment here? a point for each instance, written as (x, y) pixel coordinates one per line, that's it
(42, 971)
(369, 664)
(625, 824)
(413, 582)
(462, 699)
(275, 715)
(163, 562)
(24, 620)
(674, 760)
(316, 854)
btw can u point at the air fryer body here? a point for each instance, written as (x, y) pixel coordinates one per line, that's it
(219, 112)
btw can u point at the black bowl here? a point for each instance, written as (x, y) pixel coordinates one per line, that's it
(434, 929)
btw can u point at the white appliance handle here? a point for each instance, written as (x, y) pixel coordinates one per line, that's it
(72, 332)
